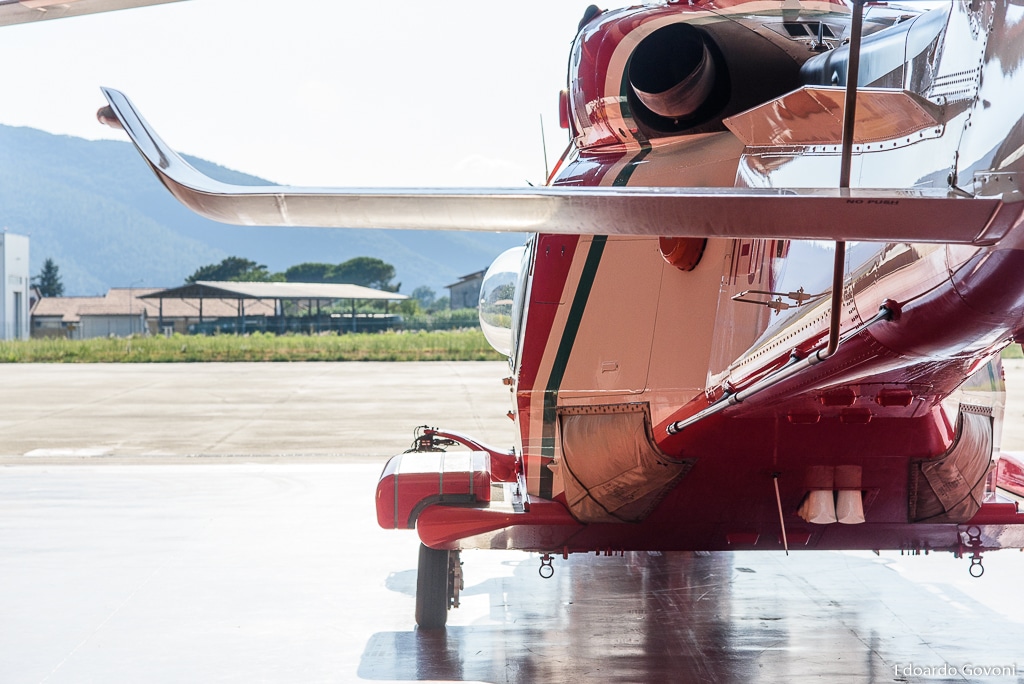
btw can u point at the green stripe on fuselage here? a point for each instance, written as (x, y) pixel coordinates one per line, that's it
(572, 326)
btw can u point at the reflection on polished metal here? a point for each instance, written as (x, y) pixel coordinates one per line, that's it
(277, 573)
(708, 618)
(500, 308)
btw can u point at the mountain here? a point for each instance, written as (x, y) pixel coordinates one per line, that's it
(102, 216)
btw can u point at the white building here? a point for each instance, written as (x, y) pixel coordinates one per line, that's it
(117, 314)
(14, 287)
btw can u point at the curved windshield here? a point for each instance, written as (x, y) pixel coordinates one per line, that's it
(498, 299)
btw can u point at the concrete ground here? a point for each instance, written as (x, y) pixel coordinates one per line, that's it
(314, 410)
(216, 523)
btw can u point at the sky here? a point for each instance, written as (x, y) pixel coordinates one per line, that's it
(313, 93)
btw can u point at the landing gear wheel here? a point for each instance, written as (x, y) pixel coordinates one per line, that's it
(438, 581)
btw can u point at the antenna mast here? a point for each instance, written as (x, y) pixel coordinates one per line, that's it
(544, 148)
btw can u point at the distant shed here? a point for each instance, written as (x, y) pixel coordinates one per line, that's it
(115, 314)
(267, 301)
(465, 294)
(206, 307)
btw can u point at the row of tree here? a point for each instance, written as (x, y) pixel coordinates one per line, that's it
(365, 271)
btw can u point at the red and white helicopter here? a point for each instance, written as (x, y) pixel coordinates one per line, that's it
(782, 238)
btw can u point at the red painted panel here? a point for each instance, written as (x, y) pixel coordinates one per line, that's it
(443, 527)
(409, 481)
(1010, 474)
(550, 271)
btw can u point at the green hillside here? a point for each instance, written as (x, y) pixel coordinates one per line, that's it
(101, 215)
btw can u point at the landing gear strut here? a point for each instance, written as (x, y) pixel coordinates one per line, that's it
(438, 583)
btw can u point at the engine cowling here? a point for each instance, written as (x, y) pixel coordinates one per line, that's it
(639, 74)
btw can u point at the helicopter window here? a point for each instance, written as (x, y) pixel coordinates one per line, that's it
(498, 297)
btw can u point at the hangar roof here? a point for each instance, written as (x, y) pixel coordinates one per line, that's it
(208, 289)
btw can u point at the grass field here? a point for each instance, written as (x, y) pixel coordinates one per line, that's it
(448, 345)
(442, 345)
(1013, 352)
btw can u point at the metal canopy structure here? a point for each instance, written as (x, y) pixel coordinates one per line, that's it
(211, 289)
(314, 293)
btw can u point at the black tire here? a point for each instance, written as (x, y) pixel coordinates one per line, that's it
(432, 588)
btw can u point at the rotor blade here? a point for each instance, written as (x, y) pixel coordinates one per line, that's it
(25, 11)
(857, 214)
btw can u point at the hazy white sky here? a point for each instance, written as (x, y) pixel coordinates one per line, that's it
(313, 92)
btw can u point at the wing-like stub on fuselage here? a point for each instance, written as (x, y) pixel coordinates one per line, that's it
(906, 215)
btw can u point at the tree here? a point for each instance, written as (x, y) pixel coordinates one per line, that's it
(48, 281)
(368, 272)
(309, 272)
(424, 295)
(365, 271)
(409, 307)
(234, 269)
